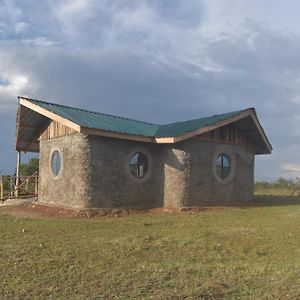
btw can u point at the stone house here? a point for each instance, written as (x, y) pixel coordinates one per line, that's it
(95, 160)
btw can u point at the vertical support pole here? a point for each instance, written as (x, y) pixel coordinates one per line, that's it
(1, 188)
(27, 184)
(36, 185)
(18, 173)
(11, 186)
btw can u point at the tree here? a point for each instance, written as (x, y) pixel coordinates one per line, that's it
(29, 168)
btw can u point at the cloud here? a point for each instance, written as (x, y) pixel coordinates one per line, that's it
(291, 168)
(159, 61)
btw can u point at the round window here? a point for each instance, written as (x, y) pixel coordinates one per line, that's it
(223, 166)
(55, 162)
(138, 165)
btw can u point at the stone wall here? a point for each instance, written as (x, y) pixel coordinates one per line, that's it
(113, 185)
(95, 174)
(70, 188)
(204, 187)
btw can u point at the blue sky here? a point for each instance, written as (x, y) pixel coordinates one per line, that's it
(157, 60)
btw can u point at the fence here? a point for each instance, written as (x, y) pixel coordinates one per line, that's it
(18, 187)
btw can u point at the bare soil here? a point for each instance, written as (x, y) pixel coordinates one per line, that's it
(35, 210)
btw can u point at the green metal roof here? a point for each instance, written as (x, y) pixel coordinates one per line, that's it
(179, 128)
(107, 122)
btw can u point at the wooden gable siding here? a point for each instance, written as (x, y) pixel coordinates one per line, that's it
(229, 134)
(56, 129)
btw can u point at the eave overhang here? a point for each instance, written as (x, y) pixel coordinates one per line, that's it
(33, 119)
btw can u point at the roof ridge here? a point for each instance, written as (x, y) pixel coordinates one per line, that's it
(89, 111)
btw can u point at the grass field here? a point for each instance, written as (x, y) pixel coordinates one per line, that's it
(224, 253)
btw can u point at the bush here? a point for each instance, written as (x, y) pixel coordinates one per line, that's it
(29, 168)
(279, 183)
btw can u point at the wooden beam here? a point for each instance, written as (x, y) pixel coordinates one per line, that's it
(219, 141)
(35, 141)
(30, 144)
(29, 127)
(249, 131)
(27, 142)
(208, 128)
(261, 131)
(29, 150)
(164, 140)
(246, 113)
(117, 135)
(18, 173)
(1, 189)
(49, 114)
(18, 123)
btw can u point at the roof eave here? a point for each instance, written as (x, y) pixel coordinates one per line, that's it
(245, 113)
(117, 135)
(47, 113)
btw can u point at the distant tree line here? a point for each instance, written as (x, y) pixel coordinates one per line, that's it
(27, 169)
(279, 183)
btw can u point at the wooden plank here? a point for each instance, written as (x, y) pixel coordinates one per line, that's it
(1, 188)
(205, 129)
(29, 127)
(163, 140)
(36, 185)
(219, 141)
(228, 133)
(261, 131)
(248, 112)
(18, 124)
(30, 145)
(49, 114)
(55, 129)
(116, 135)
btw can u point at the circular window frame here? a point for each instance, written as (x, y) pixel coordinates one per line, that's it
(59, 174)
(148, 174)
(232, 160)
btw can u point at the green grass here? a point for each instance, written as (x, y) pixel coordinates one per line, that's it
(232, 253)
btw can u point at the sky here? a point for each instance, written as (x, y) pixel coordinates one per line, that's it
(157, 61)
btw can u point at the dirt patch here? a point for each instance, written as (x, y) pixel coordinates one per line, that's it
(35, 210)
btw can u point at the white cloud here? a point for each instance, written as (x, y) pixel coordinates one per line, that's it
(21, 27)
(291, 167)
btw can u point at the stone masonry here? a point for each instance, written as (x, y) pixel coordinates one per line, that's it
(95, 174)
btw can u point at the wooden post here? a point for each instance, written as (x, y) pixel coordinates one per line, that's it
(36, 185)
(1, 189)
(18, 173)
(11, 186)
(27, 184)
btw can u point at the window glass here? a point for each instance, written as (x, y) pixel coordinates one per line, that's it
(55, 162)
(223, 166)
(138, 165)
